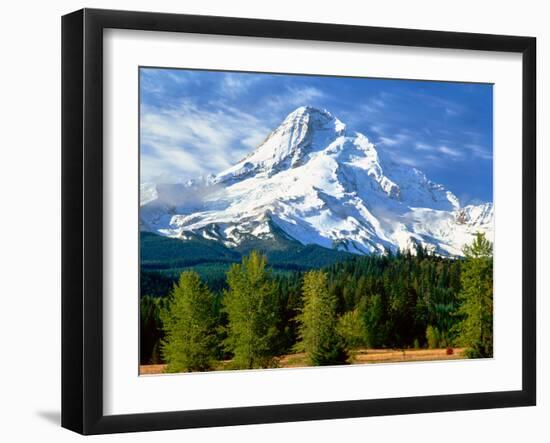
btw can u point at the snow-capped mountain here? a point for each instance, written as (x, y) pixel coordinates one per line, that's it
(318, 184)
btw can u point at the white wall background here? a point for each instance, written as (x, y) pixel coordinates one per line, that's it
(30, 218)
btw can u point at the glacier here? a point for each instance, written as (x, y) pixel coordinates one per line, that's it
(318, 183)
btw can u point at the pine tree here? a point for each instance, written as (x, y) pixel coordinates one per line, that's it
(373, 316)
(189, 325)
(317, 323)
(250, 304)
(476, 295)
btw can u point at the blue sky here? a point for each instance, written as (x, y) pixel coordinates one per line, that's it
(200, 122)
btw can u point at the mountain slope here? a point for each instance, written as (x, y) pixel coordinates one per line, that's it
(165, 253)
(314, 183)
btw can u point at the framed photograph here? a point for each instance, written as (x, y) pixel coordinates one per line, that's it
(269, 221)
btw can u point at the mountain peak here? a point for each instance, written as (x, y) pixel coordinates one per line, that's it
(302, 132)
(313, 117)
(309, 111)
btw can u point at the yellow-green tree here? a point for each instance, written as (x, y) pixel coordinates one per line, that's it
(476, 296)
(250, 305)
(317, 323)
(351, 327)
(189, 325)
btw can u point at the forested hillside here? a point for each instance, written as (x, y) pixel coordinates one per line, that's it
(252, 311)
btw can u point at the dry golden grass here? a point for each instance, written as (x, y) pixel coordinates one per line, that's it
(397, 355)
(298, 360)
(360, 356)
(151, 369)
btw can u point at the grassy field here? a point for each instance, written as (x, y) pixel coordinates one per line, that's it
(360, 356)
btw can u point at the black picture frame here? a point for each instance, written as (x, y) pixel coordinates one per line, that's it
(82, 215)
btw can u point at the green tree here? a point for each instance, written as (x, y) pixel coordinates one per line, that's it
(317, 323)
(476, 327)
(250, 304)
(351, 328)
(373, 316)
(433, 337)
(189, 326)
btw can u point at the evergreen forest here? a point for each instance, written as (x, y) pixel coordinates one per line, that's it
(246, 310)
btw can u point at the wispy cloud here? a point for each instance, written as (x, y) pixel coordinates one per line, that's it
(184, 139)
(373, 106)
(479, 151)
(424, 146)
(409, 160)
(446, 150)
(451, 112)
(395, 140)
(294, 97)
(161, 82)
(449, 107)
(467, 151)
(451, 152)
(234, 85)
(378, 129)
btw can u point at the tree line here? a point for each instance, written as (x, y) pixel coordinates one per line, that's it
(400, 300)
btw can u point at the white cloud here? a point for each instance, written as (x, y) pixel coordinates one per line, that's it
(234, 85)
(293, 98)
(451, 152)
(451, 112)
(448, 151)
(470, 149)
(396, 140)
(163, 166)
(450, 107)
(373, 106)
(158, 82)
(180, 77)
(479, 151)
(378, 129)
(409, 161)
(184, 141)
(424, 147)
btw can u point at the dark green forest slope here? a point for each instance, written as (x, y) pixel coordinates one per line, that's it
(164, 258)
